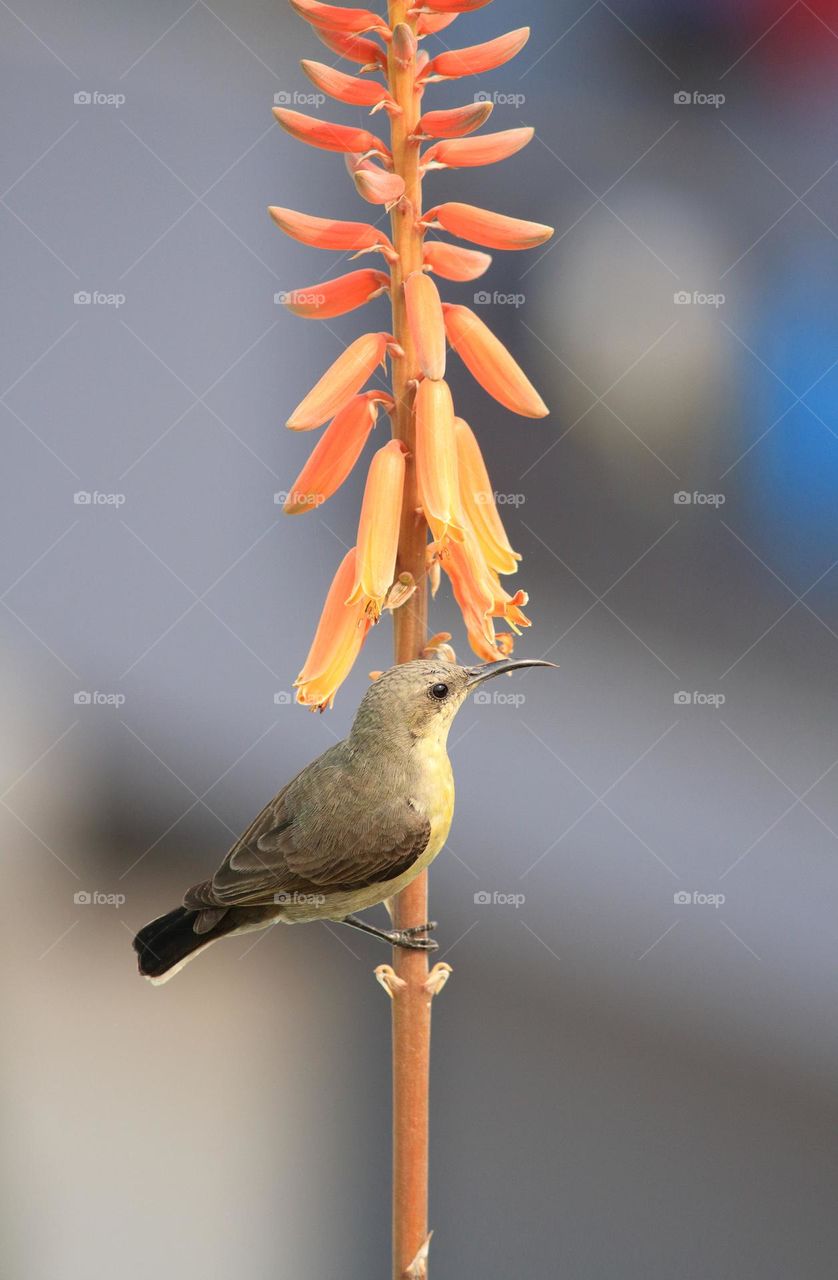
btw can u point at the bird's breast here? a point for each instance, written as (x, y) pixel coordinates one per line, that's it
(434, 792)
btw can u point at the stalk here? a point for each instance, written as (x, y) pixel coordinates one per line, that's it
(411, 1003)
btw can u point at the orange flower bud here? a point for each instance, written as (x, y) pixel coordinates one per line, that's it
(478, 501)
(336, 452)
(338, 18)
(436, 460)
(326, 233)
(354, 48)
(478, 58)
(328, 136)
(481, 226)
(336, 297)
(452, 262)
(374, 185)
(351, 89)
(456, 123)
(468, 153)
(340, 381)
(427, 24)
(404, 45)
(378, 530)
(453, 6)
(340, 635)
(427, 327)
(488, 360)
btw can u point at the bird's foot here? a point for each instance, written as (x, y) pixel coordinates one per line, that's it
(417, 930)
(407, 940)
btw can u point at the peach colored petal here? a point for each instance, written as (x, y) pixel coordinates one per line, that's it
(427, 327)
(452, 6)
(489, 362)
(351, 89)
(354, 48)
(478, 501)
(327, 233)
(340, 381)
(455, 123)
(452, 262)
(337, 297)
(340, 635)
(378, 529)
(482, 226)
(336, 452)
(374, 185)
(468, 153)
(477, 58)
(436, 460)
(328, 136)
(339, 18)
(427, 24)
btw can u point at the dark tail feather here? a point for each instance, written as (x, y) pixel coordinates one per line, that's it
(166, 944)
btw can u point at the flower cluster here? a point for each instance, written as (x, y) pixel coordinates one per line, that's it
(434, 456)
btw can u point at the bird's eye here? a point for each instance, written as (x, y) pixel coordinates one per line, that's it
(439, 691)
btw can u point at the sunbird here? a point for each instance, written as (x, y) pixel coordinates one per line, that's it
(350, 831)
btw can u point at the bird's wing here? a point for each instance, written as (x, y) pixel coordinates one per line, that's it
(333, 829)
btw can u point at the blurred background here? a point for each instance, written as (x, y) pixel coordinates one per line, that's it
(635, 1062)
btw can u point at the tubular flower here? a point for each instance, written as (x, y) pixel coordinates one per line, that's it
(455, 63)
(468, 153)
(336, 452)
(340, 381)
(456, 123)
(436, 460)
(454, 263)
(426, 322)
(378, 529)
(430, 480)
(339, 638)
(478, 502)
(481, 226)
(488, 360)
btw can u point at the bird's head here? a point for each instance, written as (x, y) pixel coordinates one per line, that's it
(421, 698)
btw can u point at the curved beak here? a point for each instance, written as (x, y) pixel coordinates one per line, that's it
(491, 669)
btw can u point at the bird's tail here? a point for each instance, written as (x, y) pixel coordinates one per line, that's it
(165, 945)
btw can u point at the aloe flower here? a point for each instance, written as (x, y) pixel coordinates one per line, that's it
(430, 480)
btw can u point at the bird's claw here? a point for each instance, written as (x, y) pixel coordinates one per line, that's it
(416, 929)
(403, 938)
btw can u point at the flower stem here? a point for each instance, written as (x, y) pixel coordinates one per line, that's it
(411, 1004)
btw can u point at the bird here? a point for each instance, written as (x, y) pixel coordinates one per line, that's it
(348, 832)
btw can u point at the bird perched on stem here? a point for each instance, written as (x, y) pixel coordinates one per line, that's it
(348, 832)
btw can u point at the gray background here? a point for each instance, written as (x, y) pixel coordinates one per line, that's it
(623, 1085)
